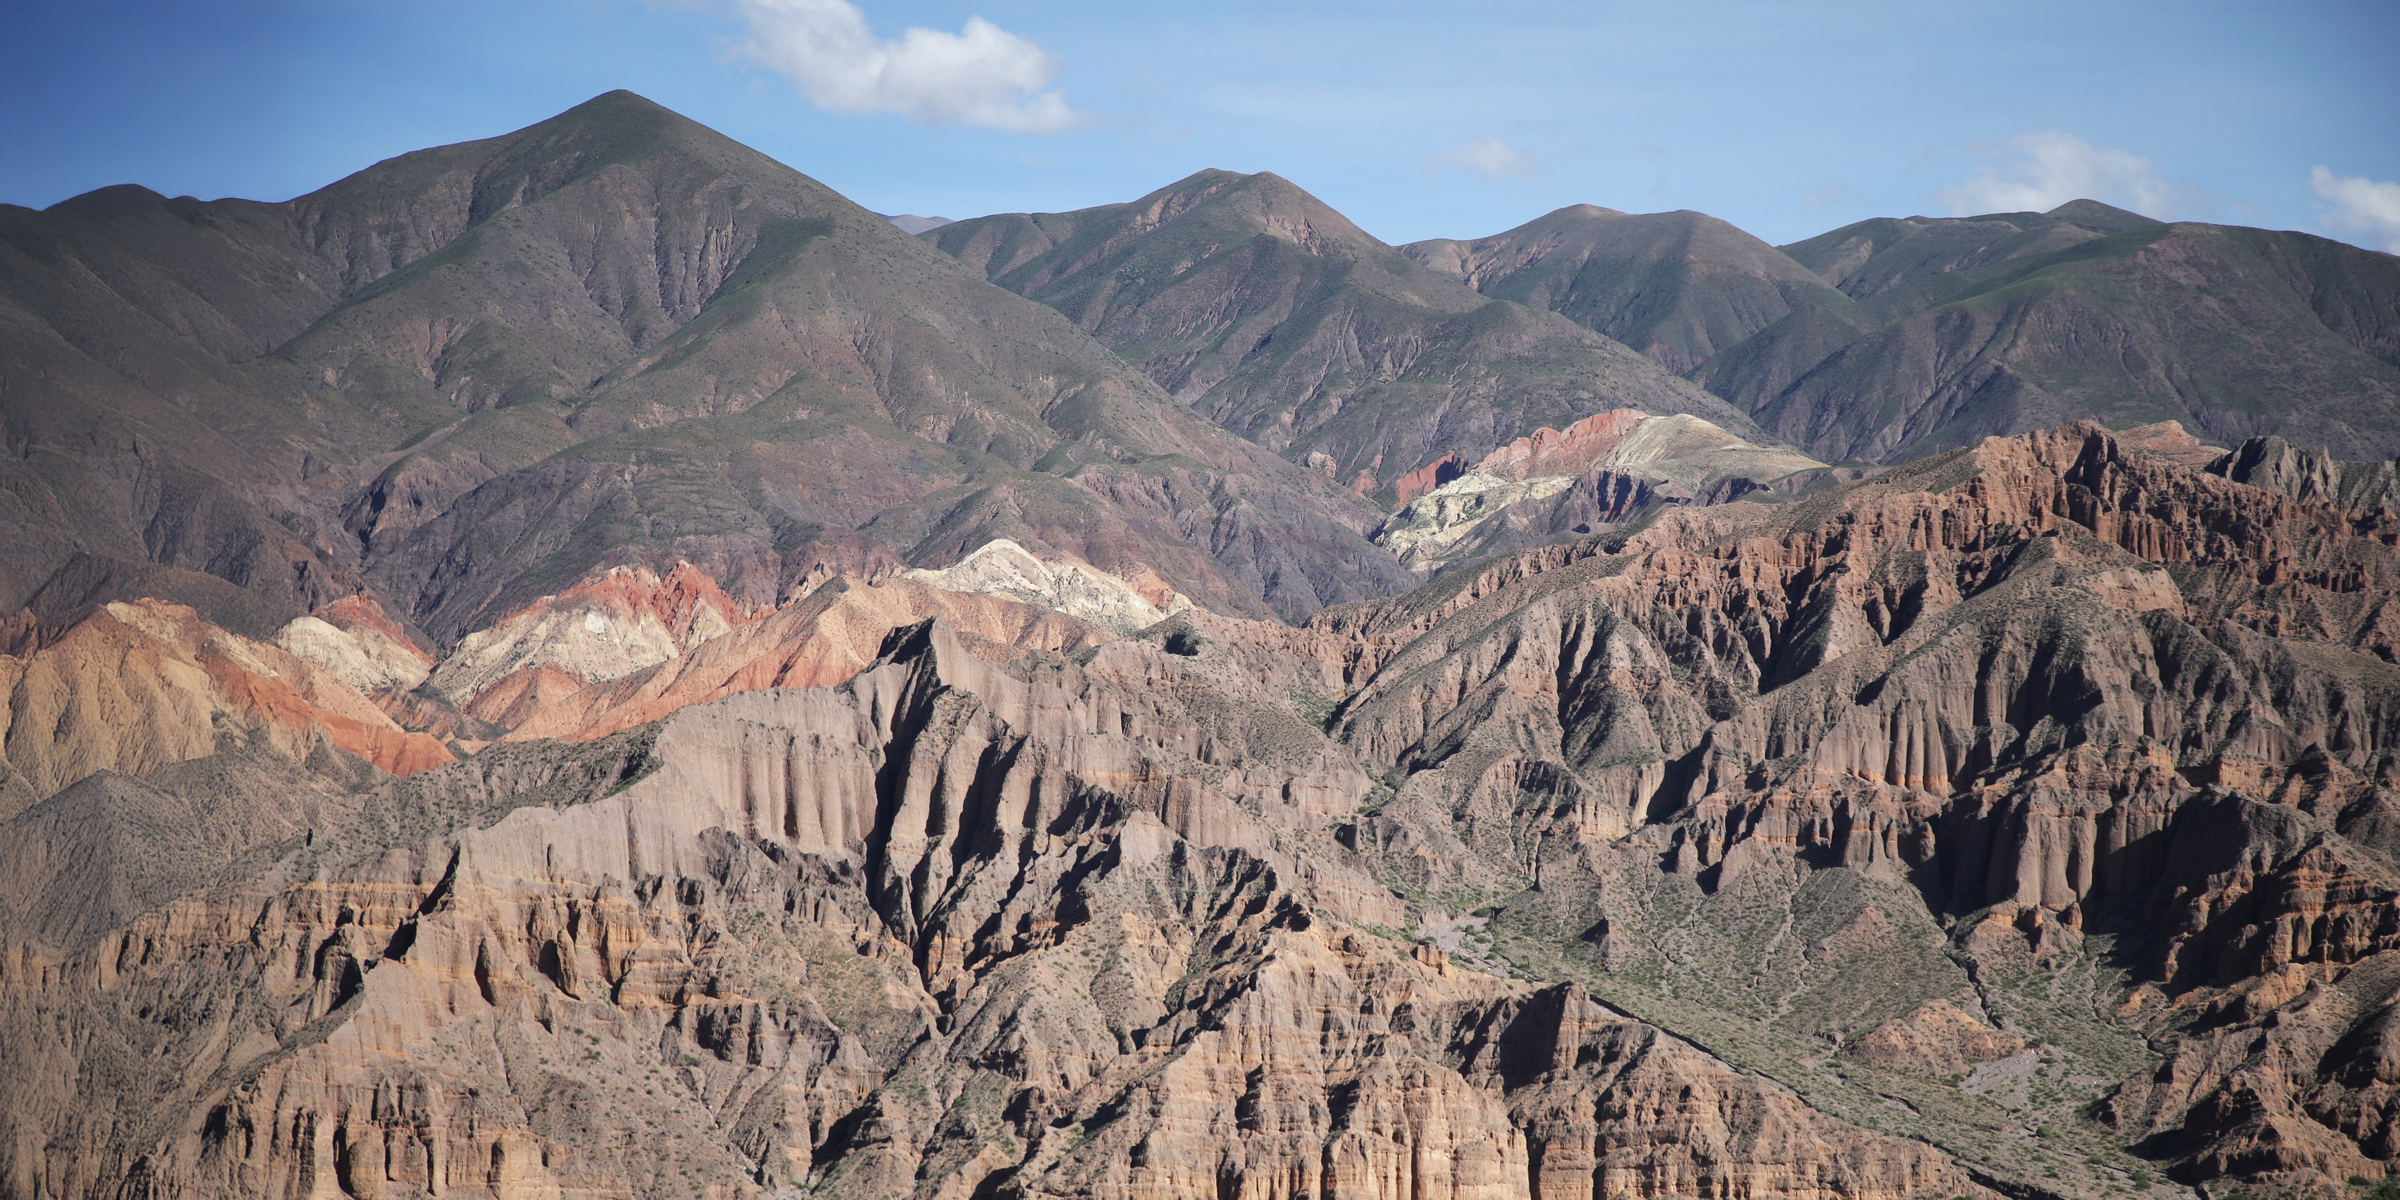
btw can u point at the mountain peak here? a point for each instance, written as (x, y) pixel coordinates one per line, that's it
(2107, 218)
(1262, 203)
(618, 98)
(623, 116)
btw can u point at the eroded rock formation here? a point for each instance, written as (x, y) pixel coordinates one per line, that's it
(2016, 822)
(1604, 470)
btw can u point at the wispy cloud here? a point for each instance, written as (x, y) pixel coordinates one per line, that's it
(982, 75)
(1486, 156)
(2047, 169)
(1826, 197)
(2361, 208)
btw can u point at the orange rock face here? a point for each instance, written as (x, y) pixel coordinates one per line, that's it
(139, 686)
(1564, 451)
(605, 627)
(817, 642)
(1430, 476)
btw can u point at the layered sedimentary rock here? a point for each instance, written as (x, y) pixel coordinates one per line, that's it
(1603, 470)
(2305, 474)
(140, 686)
(946, 927)
(2017, 822)
(610, 625)
(816, 642)
(1003, 568)
(2051, 685)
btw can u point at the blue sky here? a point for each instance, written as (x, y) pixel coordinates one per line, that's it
(1416, 120)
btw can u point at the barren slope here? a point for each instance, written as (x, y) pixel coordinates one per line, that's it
(1677, 286)
(475, 375)
(2017, 820)
(1253, 302)
(2018, 321)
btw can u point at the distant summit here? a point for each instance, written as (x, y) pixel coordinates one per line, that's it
(1279, 318)
(2105, 218)
(911, 223)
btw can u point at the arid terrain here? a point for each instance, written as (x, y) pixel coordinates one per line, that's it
(586, 665)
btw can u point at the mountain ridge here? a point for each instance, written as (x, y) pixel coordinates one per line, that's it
(656, 339)
(1633, 277)
(1893, 338)
(583, 663)
(1273, 315)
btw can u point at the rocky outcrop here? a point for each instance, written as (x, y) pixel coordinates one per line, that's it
(1429, 528)
(1606, 469)
(140, 686)
(1003, 568)
(816, 642)
(2303, 474)
(2019, 819)
(2052, 685)
(610, 625)
(1935, 1038)
(360, 643)
(945, 928)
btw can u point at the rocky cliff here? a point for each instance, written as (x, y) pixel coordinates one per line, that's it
(1607, 470)
(2012, 823)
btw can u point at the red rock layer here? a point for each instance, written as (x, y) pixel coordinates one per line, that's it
(1014, 909)
(822, 640)
(1569, 451)
(1430, 476)
(138, 686)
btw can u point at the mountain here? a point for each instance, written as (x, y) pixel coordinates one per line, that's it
(472, 376)
(1877, 256)
(912, 223)
(1894, 338)
(2233, 332)
(584, 664)
(1275, 316)
(2018, 321)
(1676, 286)
(2016, 822)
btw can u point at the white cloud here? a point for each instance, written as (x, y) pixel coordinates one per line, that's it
(982, 75)
(1826, 197)
(2050, 168)
(1486, 156)
(2361, 207)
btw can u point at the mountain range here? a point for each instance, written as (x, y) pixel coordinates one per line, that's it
(585, 663)
(1894, 338)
